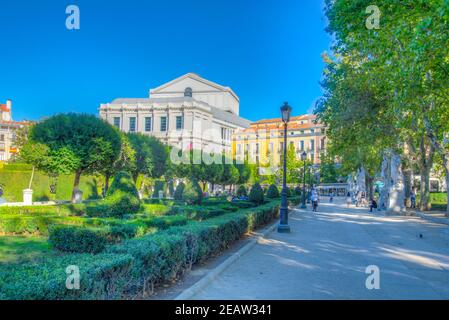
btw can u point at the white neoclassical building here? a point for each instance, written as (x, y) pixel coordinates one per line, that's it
(189, 112)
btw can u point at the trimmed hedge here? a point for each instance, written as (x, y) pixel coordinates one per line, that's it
(62, 209)
(241, 191)
(78, 239)
(102, 276)
(29, 224)
(273, 192)
(135, 265)
(256, 195)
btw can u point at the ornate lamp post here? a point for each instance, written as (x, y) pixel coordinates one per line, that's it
(304, 158)
(283, 225)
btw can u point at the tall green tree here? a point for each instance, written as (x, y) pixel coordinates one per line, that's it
(150, 156)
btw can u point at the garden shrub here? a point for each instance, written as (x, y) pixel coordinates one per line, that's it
(273, 192)
(135, 265)
(256, 195)
(243, 204)
(193, 193)
(78, 239)
(203, 213)
(241, 191)
(34, 224)
(178, 195)
(102, 276)
(122, 199)
(165, 222)
(298, 191)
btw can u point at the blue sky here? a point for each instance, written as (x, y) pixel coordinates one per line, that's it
(268, 51)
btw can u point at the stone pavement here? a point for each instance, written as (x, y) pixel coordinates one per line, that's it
(327, 253)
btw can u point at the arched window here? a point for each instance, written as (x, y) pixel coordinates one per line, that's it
(188, 92)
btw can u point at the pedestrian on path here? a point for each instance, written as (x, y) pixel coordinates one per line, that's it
(314, 199)
(413, 199)
(372, 205)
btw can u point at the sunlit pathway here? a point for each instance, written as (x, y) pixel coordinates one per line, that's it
(326, 255)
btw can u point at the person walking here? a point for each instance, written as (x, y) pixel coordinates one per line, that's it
(372, 205)
(331, 198)
(413, 199)
(314, 199)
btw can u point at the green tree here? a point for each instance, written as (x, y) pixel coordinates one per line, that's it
(150, 156)
(230, 175)
(84, 142)
(126, 161)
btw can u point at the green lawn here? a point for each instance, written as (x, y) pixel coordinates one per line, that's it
(20, 248)
(15, 178)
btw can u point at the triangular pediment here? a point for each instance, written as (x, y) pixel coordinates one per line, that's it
(193, 81)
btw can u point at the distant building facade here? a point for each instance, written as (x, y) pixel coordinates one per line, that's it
(264, 140)
(189, 112)
(8, 129)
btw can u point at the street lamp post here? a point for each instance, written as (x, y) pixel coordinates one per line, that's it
(304, 158)
(283, 226)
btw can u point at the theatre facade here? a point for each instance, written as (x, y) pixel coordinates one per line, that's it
(188, 112)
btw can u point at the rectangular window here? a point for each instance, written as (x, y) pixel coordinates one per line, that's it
(179, 122)
(132, 124)
(312, 145)
(2, 137)
(117, 122)
(257, 148)
(148, 124)
(271, 146)
(163, 124)
(301, 145)
(239, 148)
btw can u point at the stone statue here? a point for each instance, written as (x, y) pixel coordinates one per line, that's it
(392, 194)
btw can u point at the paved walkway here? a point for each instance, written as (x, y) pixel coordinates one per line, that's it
(326, 255)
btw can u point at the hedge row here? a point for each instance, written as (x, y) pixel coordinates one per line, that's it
(62, 209)
(136, 265)
(41, 224)
(102, 276)
(84, 239)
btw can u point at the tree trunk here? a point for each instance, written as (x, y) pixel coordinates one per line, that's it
(424, 203)
(213, 187)
(369, 187)
(425, 165)
(76, 184)
(408, 187)
(107, 177)
(446, 167)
